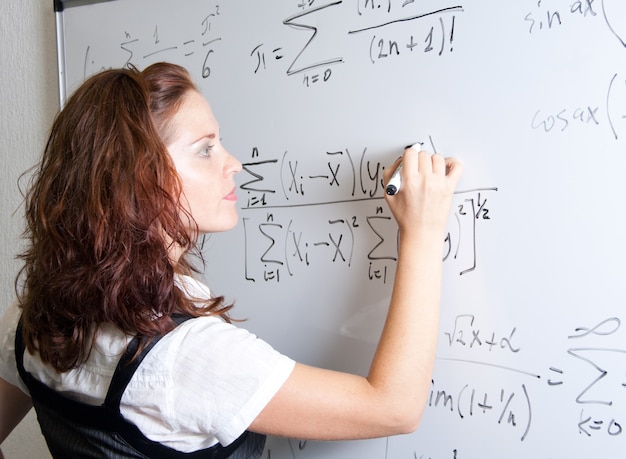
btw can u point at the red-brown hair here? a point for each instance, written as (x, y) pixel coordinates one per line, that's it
(102, 210)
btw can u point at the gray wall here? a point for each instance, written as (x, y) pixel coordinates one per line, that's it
(28, 101)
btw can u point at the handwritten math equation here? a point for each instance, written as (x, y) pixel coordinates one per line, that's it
(312, 211)
(545, 18)
(160, 42)
(608, 113)
(507, 399)
(377, 31)
(596, 372)
(394, 30)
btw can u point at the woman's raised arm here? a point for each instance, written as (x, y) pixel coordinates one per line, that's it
(321, 404)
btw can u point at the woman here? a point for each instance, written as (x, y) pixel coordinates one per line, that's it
(133, 173)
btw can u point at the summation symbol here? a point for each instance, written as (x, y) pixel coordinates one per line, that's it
(297, 21)
(597, 392)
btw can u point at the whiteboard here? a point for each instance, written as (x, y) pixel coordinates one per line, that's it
(315, 98)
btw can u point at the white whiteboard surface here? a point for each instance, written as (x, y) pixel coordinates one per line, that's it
(316, 97)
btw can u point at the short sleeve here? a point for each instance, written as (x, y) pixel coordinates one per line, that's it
(204, 382)
(8, 368)
(227, 376)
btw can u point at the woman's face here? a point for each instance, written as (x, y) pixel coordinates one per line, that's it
(205, 168)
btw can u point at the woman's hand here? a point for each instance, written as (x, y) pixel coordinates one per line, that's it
(428, 182)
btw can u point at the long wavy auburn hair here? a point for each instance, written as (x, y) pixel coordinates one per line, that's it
(103, 209)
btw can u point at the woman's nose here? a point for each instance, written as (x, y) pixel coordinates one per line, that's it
(233, 165)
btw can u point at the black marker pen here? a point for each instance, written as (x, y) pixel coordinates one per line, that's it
(395, 182)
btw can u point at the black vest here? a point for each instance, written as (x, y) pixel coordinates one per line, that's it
(77, 430)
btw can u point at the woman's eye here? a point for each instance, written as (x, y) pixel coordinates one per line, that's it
(206, 151)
